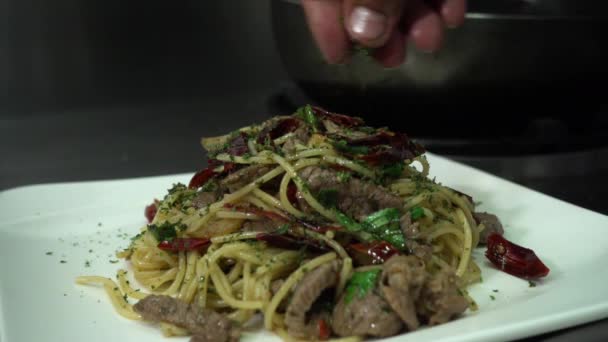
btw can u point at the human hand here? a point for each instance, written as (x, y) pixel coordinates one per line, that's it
(384, 25)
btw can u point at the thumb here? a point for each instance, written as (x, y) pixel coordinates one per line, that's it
(371, 22)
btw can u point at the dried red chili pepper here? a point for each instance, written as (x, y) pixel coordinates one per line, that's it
(340, 119)
(184, 244)
(151, 210)
(204, 175)
(374, 252)
(324, 331)
(514, 259)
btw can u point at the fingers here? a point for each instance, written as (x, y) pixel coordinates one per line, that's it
(453, 12)
(326, 25)
(371, 22)
(424, 26)
(392, 54)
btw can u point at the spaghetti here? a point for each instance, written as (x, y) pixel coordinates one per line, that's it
(280, 200)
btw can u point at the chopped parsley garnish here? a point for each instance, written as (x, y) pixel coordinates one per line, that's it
(165, 231)
(136, 237)
(328, 197)
(416, 212)
(360, 284)
(531, 283)
(113, 261)
(492, 297)
(344, 176)
(211, 185)
(63, 262)
(391, 171)
(49, 253)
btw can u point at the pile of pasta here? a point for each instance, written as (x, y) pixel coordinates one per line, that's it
(202, 254)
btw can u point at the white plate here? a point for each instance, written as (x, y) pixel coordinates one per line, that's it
(80, 222)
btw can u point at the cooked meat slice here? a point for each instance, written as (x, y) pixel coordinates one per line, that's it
(275, 285)
(369, 315)
(356, 197)
(440, 300)
(203, 199)
(491, 223)
(206, 325)
(419, 249)
(333, 128)
(401, 283)
(300, 136)
(244, 176)
(305, 294)
(410, 229)
(263, 225)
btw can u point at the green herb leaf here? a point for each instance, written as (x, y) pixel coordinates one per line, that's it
(360, 284)
(417, 212)
(306, 113)
(328, 197)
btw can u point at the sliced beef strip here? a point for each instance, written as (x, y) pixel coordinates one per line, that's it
(244, 176)
(369, 315)
(410, 229)
(357, 198)
(491, 223)
(401, 283)
(333, 128)
(305, 294)
(300, 136)
(206, 325)
(419, 249)
(203, 199)
(265, 225)
(440, 300)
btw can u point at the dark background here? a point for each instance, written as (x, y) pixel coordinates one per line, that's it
(116, 89)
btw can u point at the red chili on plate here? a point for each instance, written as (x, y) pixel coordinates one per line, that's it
(514, 259)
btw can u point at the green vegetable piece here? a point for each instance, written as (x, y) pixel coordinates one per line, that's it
(360, 284)
(384, 224)
(306, 113)
(282, 229)
(347, 222)
(416, 212)
(392, 171)
(328, 197)
(342, 145)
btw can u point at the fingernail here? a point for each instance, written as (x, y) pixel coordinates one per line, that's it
(366, 24)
